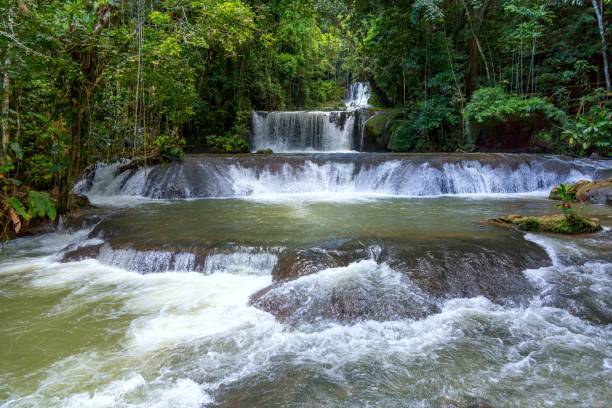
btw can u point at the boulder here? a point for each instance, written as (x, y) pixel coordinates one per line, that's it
(376, 135)
(79, 252)
(596, 192)
(557, 223)
(78, 201)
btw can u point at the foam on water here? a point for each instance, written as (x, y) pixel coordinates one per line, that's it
(213, 178)
(192, 340)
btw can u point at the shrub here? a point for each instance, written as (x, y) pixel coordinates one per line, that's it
(426, 126)
(227, 144)
(590, 132)
(492, 112)
(170, 147)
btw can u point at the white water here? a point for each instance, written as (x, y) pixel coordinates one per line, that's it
(191, 335)
(330, 179)
(310, 131)
(358, 97)
(307, 131)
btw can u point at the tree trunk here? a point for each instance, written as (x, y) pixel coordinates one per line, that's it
(472, 68)
(604, 47)
(470, 16)
(6, 87)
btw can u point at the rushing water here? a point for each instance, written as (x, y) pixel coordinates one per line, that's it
(357, 174)
(288, 288)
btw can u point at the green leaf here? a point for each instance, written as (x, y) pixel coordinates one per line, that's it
(41, 205)
(17, 150)
(18, 207)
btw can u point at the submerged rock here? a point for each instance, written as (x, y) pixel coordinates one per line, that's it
(469, 268)
(558, 223)
(397, 280)
(79, 253)
(360, 291)
(596, 192)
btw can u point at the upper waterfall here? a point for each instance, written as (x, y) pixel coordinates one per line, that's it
(311, 131)
(358, 96)
(314, 131)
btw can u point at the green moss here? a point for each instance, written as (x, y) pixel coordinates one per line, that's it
(530, 224)
(376, 126)
(558, 224)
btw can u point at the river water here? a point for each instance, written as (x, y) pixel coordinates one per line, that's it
(309, 280)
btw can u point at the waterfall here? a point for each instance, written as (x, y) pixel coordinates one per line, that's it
(358, 173)
(303, 131)
(312, 131)
(358, 96)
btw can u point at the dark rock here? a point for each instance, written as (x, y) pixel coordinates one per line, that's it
(471, 268)
(398, 280)
(293, 264)
(265, 151)
(78, 201)
(78, 253)
(596, 192)
(361, 291)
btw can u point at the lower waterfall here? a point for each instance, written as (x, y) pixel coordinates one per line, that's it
(389, 174)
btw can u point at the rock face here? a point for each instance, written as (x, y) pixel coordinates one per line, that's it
(558, 223)
(596, 192)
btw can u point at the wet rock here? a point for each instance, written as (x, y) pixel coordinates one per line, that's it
(557, 223)
(294, 264)
(361, 291)
(264, 151)
(78, 253)
(78, 201)
(471, 268)
(596, 192)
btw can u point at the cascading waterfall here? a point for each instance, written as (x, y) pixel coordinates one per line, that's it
(311, 131)
(303, 131)
(358, 97)
(400, 175)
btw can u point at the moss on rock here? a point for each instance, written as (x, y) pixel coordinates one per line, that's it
(596, 192)
(558, 223)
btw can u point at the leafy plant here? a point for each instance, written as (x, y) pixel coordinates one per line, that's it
(170, 147)
(591, 132)
(426, 125)
(227, 144)
(41, 205)
(495, 114)
(14, 212)
(569, 207)
(490, 106)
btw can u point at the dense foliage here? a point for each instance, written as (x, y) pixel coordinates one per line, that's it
(91, 80)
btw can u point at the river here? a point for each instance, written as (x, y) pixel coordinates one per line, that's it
(311, 280)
